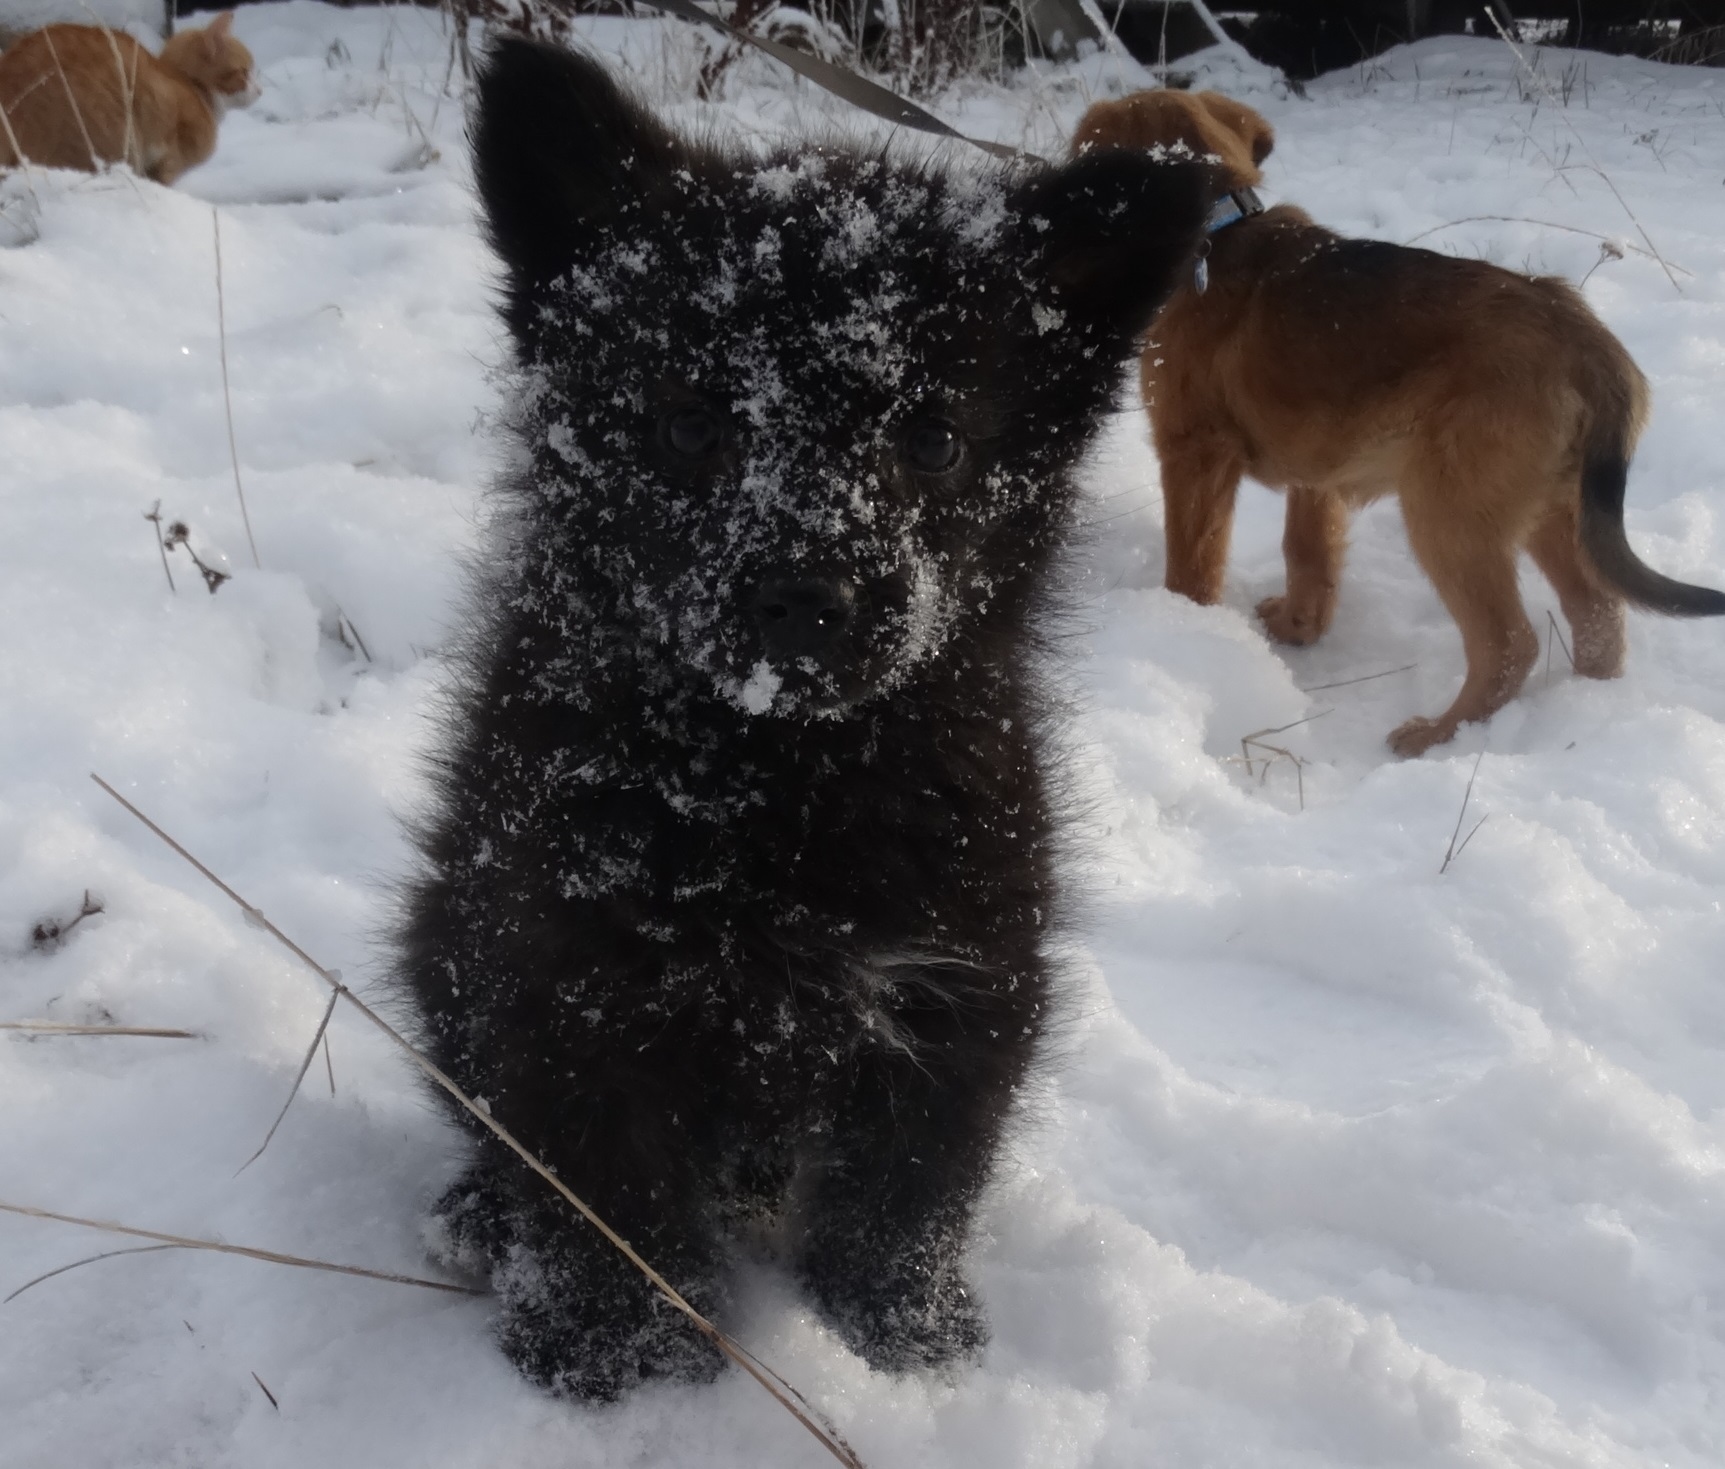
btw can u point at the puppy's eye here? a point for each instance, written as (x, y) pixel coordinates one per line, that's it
(932, 446)
(693, 433)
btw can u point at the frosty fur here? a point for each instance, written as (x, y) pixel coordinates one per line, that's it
(736, 903)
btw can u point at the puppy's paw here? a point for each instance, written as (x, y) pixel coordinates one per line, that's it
(594, 1334)
(470, 1228)
(1419, 734)
(933, 1324)
(1284, 625)
(1599, 660)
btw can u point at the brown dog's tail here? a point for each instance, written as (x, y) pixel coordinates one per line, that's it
(1616, 399)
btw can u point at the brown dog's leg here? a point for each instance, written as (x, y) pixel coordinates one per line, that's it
(1595, 615)
(1199, 480)
(1475, 576)
(1313, 540)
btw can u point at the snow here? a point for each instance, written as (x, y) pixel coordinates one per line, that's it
(145, 19)
(1347, 1160)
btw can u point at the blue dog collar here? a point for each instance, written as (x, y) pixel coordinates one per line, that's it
(1230, 209)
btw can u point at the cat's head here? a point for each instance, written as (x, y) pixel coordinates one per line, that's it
(218, 62)
(807, 420)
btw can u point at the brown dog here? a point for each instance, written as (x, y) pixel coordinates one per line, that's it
(1496, 404)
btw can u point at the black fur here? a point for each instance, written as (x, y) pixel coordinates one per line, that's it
(741, 874)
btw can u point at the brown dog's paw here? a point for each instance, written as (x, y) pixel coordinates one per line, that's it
(1419, 734)
(1284, 626)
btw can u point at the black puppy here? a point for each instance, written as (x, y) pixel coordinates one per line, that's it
(742, 872)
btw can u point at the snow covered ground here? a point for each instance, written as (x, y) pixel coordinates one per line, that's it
(1349, 1161)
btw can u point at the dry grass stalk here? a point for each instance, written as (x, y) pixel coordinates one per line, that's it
(1344, 683)
(87, 1260)
(186, 1242)
(1555, 632)
(1273, 753)
(1453, 850)
(1605, 240)
(72, 102)
(267, 1393)
(20, 155)
(179, 538)
(345, 625)
(1542, 85)
(54, 1027)
(155, 518)
(128, 83)
(227, 395)
(50, 933)
(776, 1386)
(304, 1066)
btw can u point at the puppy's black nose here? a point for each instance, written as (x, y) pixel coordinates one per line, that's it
(803, 618)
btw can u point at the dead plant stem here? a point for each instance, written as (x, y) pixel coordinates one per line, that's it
(54, 1027)
(227, 394)
(274, 1257)
(1453, 851)
(317, 1039)
(1544, 86)
(780, 1390)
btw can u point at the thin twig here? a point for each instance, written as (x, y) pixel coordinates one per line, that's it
(274, 1257)
(328, 1065)
(1556, 632)
(155, 518)
(267, 1393)
(1349, 682)
(53, 1027)
(775, 1385)
(293, 1091)
(1453, 851)
(1256, 739)
(341, 619)
(227, 396)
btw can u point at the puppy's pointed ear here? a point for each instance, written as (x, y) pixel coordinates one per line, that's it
(559, 153)
(1110, 233)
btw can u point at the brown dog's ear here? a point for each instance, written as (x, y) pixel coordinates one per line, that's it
(1249, 126)
(1104, 125)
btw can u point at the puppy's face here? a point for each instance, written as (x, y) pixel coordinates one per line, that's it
(1206, 123)
(800, 424)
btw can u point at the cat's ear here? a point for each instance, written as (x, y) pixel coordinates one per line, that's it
(1110, 233)
(220, 26)
(559, 153)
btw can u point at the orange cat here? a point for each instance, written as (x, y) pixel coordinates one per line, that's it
(82, 96)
